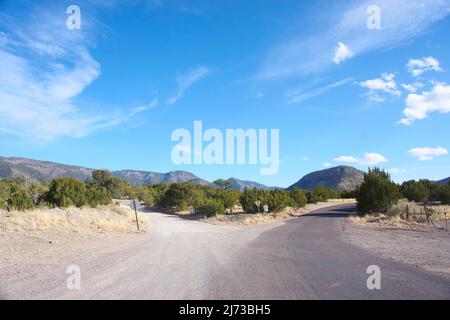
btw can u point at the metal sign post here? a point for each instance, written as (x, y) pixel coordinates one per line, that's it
(135, 204)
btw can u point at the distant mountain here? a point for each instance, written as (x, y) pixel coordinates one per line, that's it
(237, 184)
(46, 171)
(145, 177)
(40, 170)
(338, 178)
(444, 181)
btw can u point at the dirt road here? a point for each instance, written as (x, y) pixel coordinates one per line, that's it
(299, 258)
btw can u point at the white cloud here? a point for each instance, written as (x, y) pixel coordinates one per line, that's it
(372, 159)
(305, 53)
(304, 158)
(185, 80)
(418, 66)
(418, 106)
(326, 165)
(39, 101)
(369, 159)
(426, 153)
(412, 87)
(397, 170)
(342, 53)
(386, 83)
(296, 97)
(346, 159)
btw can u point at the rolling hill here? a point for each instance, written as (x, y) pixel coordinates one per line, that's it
(45, 171)
(338, 178)
(444, 181)
(237, 184)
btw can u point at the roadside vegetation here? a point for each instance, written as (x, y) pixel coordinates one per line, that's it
(381, 200)
(377, 194)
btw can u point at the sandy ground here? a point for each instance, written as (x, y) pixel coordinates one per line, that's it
(415, 244)
(45, 236)
(297, 258)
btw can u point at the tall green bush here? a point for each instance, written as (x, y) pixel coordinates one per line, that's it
(96, 196)
(299, 197)
(377, 193)
(66, 192)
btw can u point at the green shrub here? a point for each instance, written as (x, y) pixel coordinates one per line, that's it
(322, 194)
(146, 195)
(229, 198)
(211, 208)
(2, 203)
(299, 197)
(20, 200)
(182, 196)
(441, 193)
(418, 191)
(159, 190)
(96, 196)
(249, 197)
(347, 194)
(66, 192)
(278, 200)
(377, 193)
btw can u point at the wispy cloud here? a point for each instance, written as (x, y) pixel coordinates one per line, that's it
(307, 53)
(38, 101)
(187, 79)
(386, 83)
(412, 87)
(153, 104)
(418, 66)
(297, 97)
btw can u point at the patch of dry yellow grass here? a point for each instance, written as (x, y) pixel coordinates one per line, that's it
(81, 220)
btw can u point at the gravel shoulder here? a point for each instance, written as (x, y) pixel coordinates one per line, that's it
(423, 247)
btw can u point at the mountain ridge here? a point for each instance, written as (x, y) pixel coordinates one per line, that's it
(338, 178)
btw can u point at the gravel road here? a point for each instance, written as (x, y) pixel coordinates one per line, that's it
(299, 258)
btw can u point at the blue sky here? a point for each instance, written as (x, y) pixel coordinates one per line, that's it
(110, 94)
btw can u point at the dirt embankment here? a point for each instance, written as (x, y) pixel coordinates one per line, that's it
(411, 241)
(46, 234)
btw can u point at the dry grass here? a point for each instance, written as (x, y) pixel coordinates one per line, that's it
(397, 217)
(80, 220)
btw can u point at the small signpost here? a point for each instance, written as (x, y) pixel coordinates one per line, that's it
(135, 205)
(266, 208)
(258, 205)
